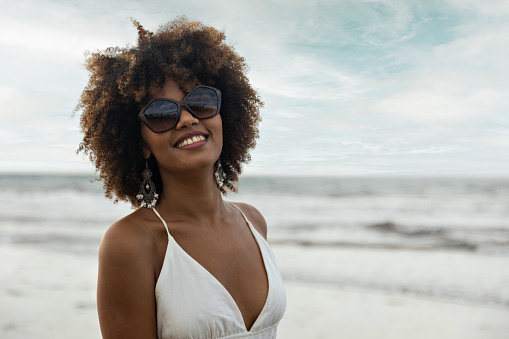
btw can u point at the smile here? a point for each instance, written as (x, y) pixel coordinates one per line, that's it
(191, 140)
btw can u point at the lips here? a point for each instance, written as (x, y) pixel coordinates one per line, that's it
(190, 138)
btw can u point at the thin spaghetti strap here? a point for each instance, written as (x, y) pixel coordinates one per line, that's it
(253, 230)
(164, 222)
(245, 218)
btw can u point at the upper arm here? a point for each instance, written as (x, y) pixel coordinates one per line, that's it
(125, 287)
(255, 217)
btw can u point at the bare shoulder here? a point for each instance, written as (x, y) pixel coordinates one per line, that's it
(255, 217)
(125, 297)
(125, 238)
(127, 246)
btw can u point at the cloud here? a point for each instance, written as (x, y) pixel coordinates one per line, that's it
(378, 86)
(487, 8)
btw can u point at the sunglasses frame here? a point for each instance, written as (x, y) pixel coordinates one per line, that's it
(179, 104)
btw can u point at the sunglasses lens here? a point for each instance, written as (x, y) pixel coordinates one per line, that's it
(161, 115)
(203, 102)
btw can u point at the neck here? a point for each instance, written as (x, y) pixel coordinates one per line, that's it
(191, 195)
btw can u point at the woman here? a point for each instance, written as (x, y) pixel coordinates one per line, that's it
(168, 124)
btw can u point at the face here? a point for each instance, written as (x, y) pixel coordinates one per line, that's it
(193, 143)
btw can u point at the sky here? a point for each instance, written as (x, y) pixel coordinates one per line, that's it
(370, 88)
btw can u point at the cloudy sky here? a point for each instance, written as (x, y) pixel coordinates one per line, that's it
(381, 87)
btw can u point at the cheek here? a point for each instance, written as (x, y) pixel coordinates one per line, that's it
(220, 129)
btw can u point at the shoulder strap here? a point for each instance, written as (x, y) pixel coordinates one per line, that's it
(250, 225)
(245, 218)
(164, 222)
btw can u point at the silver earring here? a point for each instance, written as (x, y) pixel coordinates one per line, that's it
(147, 194)
(219, 174)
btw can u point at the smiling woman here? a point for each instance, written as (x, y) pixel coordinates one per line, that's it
(168, 124)
(122, 80)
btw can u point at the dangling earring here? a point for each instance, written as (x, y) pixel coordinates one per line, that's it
(147, 194)
(219, 174)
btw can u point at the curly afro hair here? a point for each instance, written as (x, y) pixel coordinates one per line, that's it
(119, 85)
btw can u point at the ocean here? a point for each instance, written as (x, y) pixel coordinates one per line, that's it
(445, 238)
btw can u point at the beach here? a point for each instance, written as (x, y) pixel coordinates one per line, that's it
(365, 259)
(52, 295)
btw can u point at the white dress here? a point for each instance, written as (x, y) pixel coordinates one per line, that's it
(192, 303)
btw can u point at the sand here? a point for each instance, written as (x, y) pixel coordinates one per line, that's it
(51, 294)
(45, 294)
(326, 312)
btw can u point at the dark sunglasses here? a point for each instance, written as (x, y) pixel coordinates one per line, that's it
(161, 115)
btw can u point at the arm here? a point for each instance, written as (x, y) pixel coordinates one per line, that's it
(125, 287)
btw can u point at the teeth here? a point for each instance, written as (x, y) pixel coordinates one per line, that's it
(190, 141)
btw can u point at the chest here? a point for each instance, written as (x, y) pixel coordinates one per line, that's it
(229, 261)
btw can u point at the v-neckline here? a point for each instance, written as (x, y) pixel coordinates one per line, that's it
(215, 280)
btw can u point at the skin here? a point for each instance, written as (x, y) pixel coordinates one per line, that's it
(215, 234)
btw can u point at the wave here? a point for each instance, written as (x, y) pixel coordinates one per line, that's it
(393, 236)
(450, 245)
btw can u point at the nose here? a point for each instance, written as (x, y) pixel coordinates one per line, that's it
(186, 119)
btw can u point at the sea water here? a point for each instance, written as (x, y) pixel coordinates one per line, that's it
(455, 230)
(414, 213)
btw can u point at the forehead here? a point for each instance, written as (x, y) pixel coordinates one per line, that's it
(171, 90)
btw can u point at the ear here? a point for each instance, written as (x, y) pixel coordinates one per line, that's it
(146, 152)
